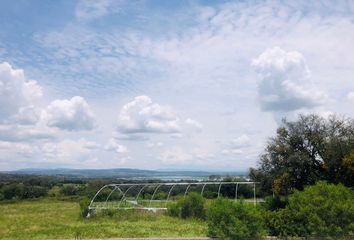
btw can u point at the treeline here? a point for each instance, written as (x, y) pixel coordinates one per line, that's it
(18, 187)
(22, 186)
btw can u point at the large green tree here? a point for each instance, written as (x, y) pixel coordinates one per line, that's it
(307, 150)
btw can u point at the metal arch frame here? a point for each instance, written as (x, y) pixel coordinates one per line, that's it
(158, 185)
(122, 199)
(115, 188)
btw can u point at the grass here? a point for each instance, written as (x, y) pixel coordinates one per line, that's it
(53, 219)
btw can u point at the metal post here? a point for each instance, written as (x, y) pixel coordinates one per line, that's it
(219, 189)
(201, 193)
(154, 194)
(185, 193)
(236, 191)
(254, 194)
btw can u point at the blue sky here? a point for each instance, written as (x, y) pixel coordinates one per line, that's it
(165, 84)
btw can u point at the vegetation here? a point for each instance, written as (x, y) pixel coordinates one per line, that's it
(190, 207)
(322, 210)
(53, 219)
(234, 220)
(306, 151)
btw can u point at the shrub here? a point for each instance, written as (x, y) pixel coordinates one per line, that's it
(230, 220)
(84, 204)
(322, 210)
(192, 206)
(274, 203)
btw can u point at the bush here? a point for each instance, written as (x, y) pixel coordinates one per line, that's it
(322, 210)
(190, 207)
(84, 204)
(274, 203)
(234, 220)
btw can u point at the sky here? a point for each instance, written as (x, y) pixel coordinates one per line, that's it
(178, 84)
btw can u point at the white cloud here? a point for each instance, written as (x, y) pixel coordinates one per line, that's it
(154, 144)
(16, 92)
(69, 151)
(15, 132)
(28, 115)
(143, 116)
(87, 10)
(73, 114)
(350, 96)
(112, 145)
(285, 84)
(240, 142)
(194, 124)
(175, 155)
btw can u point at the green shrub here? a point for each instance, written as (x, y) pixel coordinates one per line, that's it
(274, 203)
(192, 206)
(322, 210)
(174, 209)
(234, 220)
(84, 204)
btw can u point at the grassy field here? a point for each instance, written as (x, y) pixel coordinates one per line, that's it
(53, 219)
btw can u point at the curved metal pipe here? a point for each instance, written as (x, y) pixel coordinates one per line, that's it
(201, 193)
(158, 186)
(98, 192)
(236, 191)
(121, 200)
(137, 197)
(169, 193)
(185, 193)
(219, 190)
(115, 188)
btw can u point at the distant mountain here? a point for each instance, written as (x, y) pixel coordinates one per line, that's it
(123, 173)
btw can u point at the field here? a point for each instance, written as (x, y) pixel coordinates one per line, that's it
(53, 219)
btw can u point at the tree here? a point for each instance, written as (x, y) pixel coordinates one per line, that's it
(305, 151)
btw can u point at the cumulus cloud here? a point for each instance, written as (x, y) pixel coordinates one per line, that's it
(285, 81)
(112, 145)
(143, 116)
(73, 114)
(16, 91)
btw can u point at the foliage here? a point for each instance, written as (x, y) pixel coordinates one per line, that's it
(306, 151)
(230, 220)
(52, 219)
(21, 191)
(274, 203)
(55, 191)
(84, 207)
(321, 210)
(192, 206)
